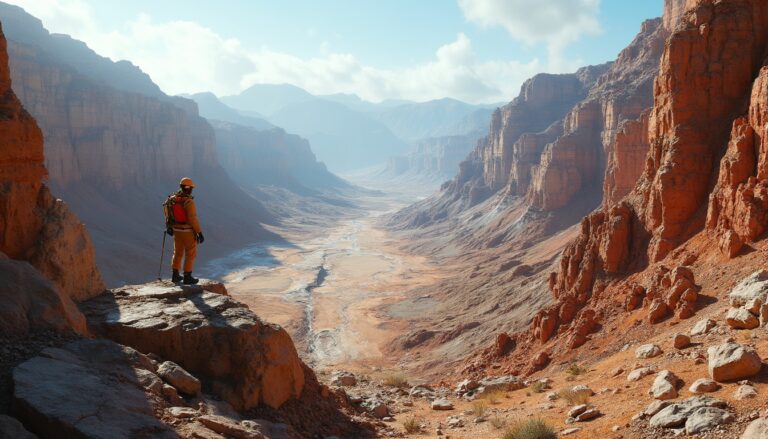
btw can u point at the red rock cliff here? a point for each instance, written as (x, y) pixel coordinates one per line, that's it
(34, 225)
(709, 71)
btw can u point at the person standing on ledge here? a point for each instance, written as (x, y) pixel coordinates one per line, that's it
(181, 223)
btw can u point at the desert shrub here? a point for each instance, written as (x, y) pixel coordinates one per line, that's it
(396, 380)
(574, 398)
(479, 406)
(533, 428)
(493, 397)
(497, 422)
(538, 387)
(412, 425)
(575, 370)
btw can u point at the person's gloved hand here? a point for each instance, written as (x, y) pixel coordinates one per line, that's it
(169, 231)
(200, 238)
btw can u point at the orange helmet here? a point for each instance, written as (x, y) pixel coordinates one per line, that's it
(186, 181)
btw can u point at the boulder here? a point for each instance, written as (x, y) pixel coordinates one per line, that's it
(732, 361)
(757, 429)
(707, 418)
(745, 391)
(703, 326)
(344, 379)
(183, 412)
(639, 373)
(245, 361)
(502, 383)
(467, 386)
(675, 415)
(229, 428)
(376, 407)
(442, 404)
(577, 410)
(754, 286)
(588, 415)
(648, 351)
(11, 428)
(87, 388)
(655, 407)
(704, 385)
(582, 389)
(754, 305)
(179, 378)
(681, 341)
(664, 386)
(741, 318)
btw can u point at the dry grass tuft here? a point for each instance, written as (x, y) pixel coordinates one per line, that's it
(533, 428)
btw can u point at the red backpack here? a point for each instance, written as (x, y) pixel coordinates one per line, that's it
(174, 210)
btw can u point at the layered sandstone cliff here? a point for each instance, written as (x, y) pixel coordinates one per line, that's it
(34, 225)
(116, 146)
(708, 109)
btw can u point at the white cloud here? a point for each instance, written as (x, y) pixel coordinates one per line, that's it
(183, 56)
(557, 23)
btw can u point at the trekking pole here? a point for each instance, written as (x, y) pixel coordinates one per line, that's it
(162, 254)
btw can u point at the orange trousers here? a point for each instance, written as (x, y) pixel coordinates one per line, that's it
(184, 247)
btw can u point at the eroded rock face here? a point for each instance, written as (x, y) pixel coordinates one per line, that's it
(244, 360)
(34, 226)
(90, 389)
(29, 300)
(685, 123)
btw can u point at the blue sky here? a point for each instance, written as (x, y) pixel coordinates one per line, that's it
(474, 50)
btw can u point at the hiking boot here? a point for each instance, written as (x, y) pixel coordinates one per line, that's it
(176, 277)
(188, 279)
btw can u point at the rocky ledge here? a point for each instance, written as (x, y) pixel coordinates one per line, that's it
(238, 357)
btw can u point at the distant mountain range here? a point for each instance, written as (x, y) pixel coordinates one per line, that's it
(345, 131)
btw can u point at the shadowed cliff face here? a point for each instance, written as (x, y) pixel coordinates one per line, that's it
(116, 147)
(34, 225)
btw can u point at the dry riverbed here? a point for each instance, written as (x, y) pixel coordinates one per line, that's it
(330, 288)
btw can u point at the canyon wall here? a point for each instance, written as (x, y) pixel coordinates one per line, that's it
(271, 157)
(435, 157)
(34, 225)
(565, 143)
(709, 99)
(116, 146)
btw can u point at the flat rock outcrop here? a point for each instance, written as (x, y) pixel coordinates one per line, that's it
(237, 356)
(89, 389)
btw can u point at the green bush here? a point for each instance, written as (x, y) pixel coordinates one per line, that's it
(533, 428)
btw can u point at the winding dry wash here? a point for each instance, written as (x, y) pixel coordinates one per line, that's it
(330, 288)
